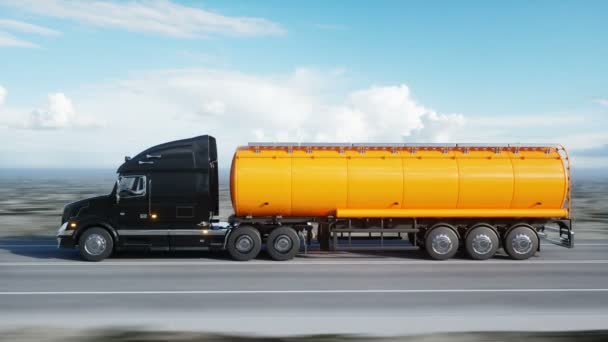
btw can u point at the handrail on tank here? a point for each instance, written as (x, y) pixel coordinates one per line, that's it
(341, 146)
(304, 144)
(566, 158)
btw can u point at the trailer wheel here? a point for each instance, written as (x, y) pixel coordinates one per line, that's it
(521, 242)
(95, 244)
(283, 243)
(441, 243)
(244, 243)
(481, 242)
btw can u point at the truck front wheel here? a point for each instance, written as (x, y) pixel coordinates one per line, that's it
(244, 243)
(283, 243)
(95, 244)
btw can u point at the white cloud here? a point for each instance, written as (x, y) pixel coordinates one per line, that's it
(58, 113)
(21, 26)
(213, 108)
(237, 108)
(3, 93)
(159, 16)
(8, 40)
(601, 102)
(392, 109)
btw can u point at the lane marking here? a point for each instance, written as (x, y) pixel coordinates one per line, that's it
(28, 246)
(249, 292)
(306, 263)
(55, 245)
(575, 245)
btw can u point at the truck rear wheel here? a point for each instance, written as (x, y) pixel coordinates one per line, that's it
(95, 244)
(521, 242)
(244, 243)
(481, 242)
(441, 243)
(283, 243)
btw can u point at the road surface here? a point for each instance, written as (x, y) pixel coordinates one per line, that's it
(382, 294)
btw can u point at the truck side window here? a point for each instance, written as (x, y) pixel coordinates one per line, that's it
(131, 186)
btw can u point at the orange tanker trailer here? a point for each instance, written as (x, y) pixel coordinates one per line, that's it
(441, 197)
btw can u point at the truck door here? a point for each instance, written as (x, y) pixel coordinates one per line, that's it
(174, 201)
(137, 225)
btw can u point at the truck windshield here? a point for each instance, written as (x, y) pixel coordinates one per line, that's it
(131, 186)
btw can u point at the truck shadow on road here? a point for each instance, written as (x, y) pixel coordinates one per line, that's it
(44, 247)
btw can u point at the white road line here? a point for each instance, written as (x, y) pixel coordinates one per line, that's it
(575, 245)
(249, 292)
(542, 245)
(304, 263)
(28, 246)
(586, 244)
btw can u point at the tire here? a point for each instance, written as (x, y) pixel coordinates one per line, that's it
(95, 244)
(441, 243)
(244, 243)
(481, 243)
(283, 243)
(521, 242)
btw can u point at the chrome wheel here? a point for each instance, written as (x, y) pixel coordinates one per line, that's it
(95, 244)
(282, 244)
(441, 244)
(522, 244)
(244, 244)
(482, 244)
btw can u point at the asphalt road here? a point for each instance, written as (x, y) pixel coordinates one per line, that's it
(379, 294)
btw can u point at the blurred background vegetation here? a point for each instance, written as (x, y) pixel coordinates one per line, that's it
(31, 200)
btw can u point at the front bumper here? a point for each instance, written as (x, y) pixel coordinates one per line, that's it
(65, 237)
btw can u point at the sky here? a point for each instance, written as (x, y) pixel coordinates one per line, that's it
(84, 83)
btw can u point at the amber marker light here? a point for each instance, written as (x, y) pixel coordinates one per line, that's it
(154, 216)
(73, 225)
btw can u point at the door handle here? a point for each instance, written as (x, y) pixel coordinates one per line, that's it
(150, 197)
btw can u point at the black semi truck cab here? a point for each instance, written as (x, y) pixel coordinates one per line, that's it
(165, 198)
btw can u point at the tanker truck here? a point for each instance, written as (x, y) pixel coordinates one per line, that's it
(289, 198)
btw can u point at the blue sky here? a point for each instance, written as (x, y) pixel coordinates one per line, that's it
(78, 75)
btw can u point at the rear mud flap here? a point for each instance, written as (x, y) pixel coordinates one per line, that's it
(559, 233)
